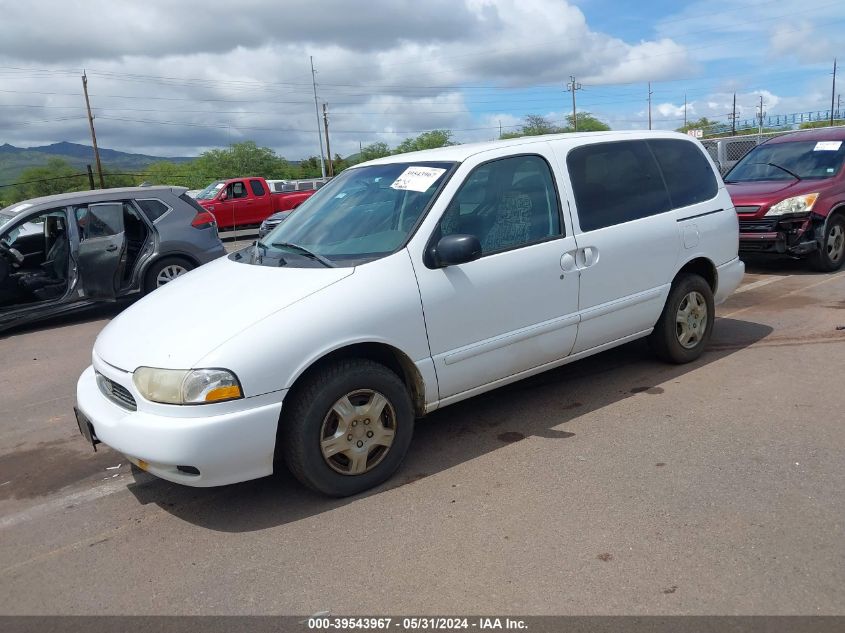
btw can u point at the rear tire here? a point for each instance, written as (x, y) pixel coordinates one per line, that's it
(347, 428)
(165, 268)
(686, 323)
(831, 254)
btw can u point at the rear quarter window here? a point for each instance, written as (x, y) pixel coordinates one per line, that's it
(687, 172)
(152, 208)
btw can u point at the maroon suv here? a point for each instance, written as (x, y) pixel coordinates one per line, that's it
(789, 194)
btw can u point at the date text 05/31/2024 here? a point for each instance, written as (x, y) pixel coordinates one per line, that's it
(415, 623)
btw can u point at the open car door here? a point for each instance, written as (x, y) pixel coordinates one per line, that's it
(102, 249)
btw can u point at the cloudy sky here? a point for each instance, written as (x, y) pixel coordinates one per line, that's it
(177, 77)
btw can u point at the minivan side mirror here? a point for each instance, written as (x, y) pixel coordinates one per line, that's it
(456, 249)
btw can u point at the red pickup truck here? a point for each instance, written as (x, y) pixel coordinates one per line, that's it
(247, 201)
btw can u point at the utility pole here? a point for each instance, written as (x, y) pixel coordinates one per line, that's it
(500, 128)
(733, 118)
(572, 86)
(760, 115)
(90, 177)
(328, 147)
(833, 91)
(317, 112)
(839, 106)
(93, 134)
(685, 110)
(649, 105)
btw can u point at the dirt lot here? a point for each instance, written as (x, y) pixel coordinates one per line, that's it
(615, 485)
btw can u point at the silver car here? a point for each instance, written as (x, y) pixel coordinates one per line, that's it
(272, 222)
(64, 252)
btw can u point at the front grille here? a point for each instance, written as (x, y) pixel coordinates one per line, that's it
(116, 393)
(747, 209)
(765, 225)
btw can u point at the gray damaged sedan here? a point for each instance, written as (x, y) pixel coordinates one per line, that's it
(64, 252)
(273, 221)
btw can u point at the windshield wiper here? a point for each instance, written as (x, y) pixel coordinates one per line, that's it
(784, 169)
(301, 249)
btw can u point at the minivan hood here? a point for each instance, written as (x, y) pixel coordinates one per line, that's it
(180, 323)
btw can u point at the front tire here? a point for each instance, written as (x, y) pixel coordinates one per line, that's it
(831, 254)
(347, 428)
(686, 323)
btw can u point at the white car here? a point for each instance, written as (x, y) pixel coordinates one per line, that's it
(404, 285)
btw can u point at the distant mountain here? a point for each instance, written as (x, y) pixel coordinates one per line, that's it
(13, 160)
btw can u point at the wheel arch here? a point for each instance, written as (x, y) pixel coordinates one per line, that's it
(391, 357)
(705, 268)
(177, 254)
(837, 210)
(152, 261)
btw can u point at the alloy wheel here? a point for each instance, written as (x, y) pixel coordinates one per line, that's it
(835, 245)
(169, 273)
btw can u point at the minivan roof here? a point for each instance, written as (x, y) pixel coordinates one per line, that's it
(459, 153)
(99, 194)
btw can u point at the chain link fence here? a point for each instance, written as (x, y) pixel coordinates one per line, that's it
(727, 151)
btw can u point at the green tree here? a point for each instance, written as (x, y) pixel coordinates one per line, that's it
(701, 124)
(426, 140)
(534, 125)
(339, 164)
(586, 123)
(374, 150)
(118, 178)
(179, 174)
(309, 168)
(57, 176)
(242, 159)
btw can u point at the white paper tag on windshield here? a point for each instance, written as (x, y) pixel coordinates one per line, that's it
(827, 146)
(417, 178)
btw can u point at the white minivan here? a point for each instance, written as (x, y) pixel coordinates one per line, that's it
(404, 285)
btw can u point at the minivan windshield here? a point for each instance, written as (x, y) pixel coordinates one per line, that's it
(362, 214)
(796, 160)
(211, 191)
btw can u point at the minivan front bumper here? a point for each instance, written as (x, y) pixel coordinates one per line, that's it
(224, 447)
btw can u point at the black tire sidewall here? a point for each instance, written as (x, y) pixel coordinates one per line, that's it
(301, 428)
(666, 341)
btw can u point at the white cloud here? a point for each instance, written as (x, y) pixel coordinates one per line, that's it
(199, 74)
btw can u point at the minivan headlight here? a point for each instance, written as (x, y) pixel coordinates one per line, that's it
(796, 204)
(187, 386)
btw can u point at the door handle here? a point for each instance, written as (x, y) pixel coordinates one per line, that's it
(586, 257)
(111, 249)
